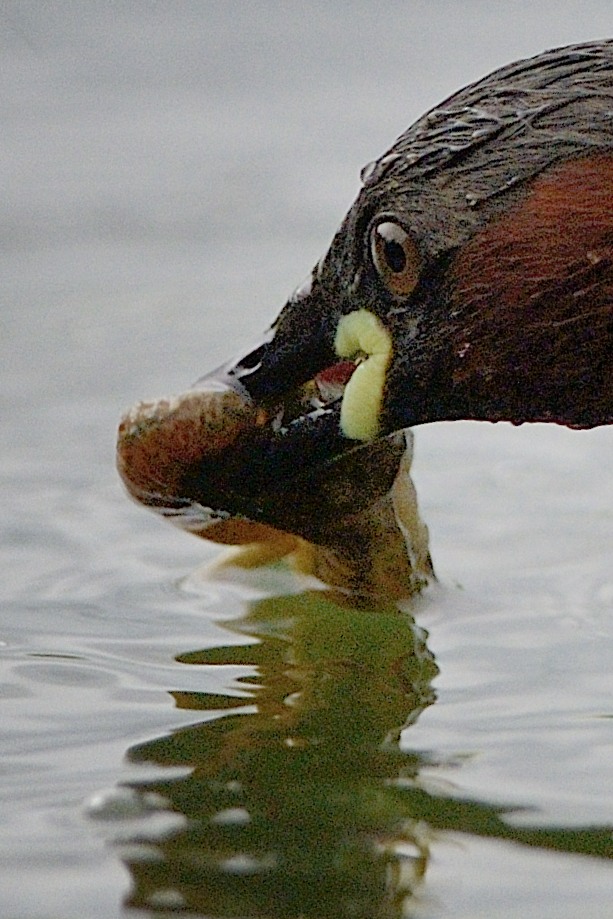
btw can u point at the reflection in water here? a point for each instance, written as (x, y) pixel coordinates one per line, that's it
(292, 803)
(299, 800)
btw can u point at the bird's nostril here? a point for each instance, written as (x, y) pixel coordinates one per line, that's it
(253, 360)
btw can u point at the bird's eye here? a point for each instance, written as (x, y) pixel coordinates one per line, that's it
(396, 258)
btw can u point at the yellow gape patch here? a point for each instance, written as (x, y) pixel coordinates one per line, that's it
(362, 337)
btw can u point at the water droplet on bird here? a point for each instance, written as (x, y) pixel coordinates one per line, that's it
(388, 160)
(368, 171)
(303, 290)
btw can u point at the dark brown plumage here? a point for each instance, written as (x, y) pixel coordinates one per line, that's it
(505, 194)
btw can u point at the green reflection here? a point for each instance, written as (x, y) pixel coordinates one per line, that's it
(299, 801)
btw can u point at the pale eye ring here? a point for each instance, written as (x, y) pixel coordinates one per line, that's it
(395, 257)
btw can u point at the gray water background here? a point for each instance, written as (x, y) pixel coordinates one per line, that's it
(169, 172)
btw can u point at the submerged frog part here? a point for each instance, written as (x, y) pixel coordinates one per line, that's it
(211, 462)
